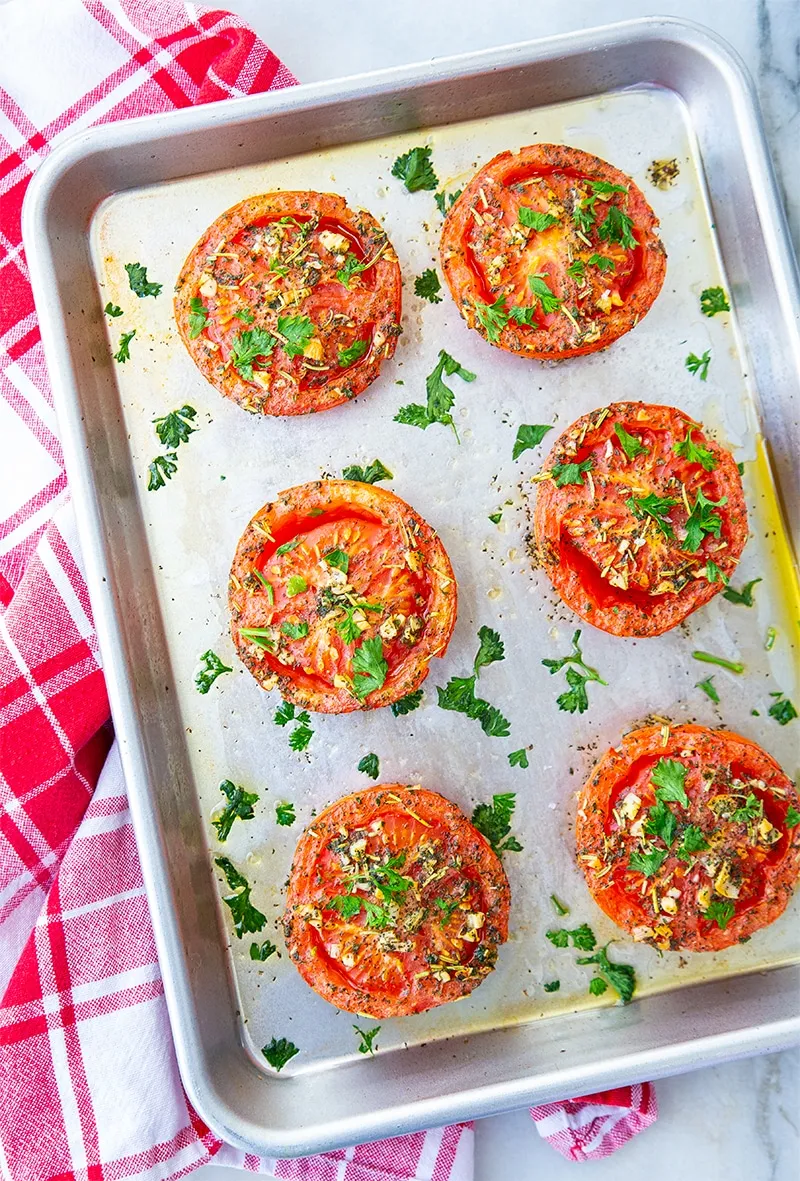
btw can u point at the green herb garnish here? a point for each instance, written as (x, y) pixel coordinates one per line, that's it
(571, 473)
(369, 668)
(578, 674)
(295, 585)
(367, 1039)
(558, 906)
(552, 986)
(211, 667)
(427, 286)
(699, 365)
(285, 814)
(368, 475)
(529, 435)
(123, 353)
(262, 951)
(720, 911)
(494, 822)
(782, 710)
(648, 861)
(407, 704)
(792, 817)
(246, 918)
(296, 332)
(702, 520)
(353, 353)
(713, 300)
(493, 317)
(451, 200)
(198, 316)
(240, 804)
(440, 396)
(629, 443)
(548, 301)
(535, 220)
(617, 227)
(733, 666)
(112, 310)
(245, 315)
(138, 282)
(669, 777)
(518, 758)
(338, 559)
(249, 346)
(655, 508)
(621, 977)
(582, 937)
(693, 841)
(744, 597)
(370, 765)
(279, 1051)
(695, 452)
(459, 692)
(162, 468)
(415, 170)
(709, 689)
(295, 631)
(174, 428)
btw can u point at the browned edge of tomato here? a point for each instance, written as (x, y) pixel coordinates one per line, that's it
(608, 558)
(279, 256)
(395, 903)
(732, 861)
(564, 290)
(397, 592)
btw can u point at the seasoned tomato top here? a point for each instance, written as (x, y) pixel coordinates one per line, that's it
(689, 837)
(341, 594)
(640, 518)
(290, 302)
(395, 902)
(551, 252)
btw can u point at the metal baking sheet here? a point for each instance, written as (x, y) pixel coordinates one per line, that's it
(166, 555)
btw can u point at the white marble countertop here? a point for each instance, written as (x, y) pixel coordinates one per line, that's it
(741, 1120)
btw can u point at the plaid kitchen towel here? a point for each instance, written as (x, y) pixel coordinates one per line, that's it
(89, 1089)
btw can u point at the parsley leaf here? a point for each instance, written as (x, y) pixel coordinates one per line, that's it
(629, 443)
(284, 814)
(602, 263)
(415, 170)
(240, 803)
(654, 507)
(367, 1039)
(597, 986)
(198, 317)
(288, 546)
(648, 861)
(451, 200)
(661, 822)
(370, 765)
(349, 905)
(279, 1052)
(558, 906)
(407, 704)
(571, 473)
(702, 520)
(493, 317)
(249, 346)
(714, 574)
(112, 310)
(713, 300)
(427, 286)
(699, 365)
(552, 985)
(262, 952)
(351, 266)
(582, 937)
(123, 353)
(548, 301)
(459, 692)
(669, 777)
(211, 667)
(246, 918)
(535, 220)
(295, 631)
(338, 559)
(578, 674)
(693, 841)
(440, 396)
(302, 734)
(245, 315)
(368, 475)
(162, 468)
(782, 711)
(353, 353)
(720, 911)
(709, 689)
(519, 758)
(617, 227)
(792, 817)
(284, 713)
(138, 283)
(621, 977)
(744, 597)
(295, 585)
(604, 188)
(174, 428)
(577, 269)
(733, 666)
(529, 435)
(296, 332)
(494, 822)
(695, 452)
(369, 668)
(491, 649)
(749, 812)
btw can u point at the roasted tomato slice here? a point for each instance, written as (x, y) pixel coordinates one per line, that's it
(640, 519)
(340, 594)
(551, 252)
(395, 903)
(290, 302)
(689, 841)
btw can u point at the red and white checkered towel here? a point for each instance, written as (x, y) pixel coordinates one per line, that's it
(89, 1089)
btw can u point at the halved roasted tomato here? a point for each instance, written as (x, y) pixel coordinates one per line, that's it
(340, 594)
(395, 903)
(551, 252)
(640, 518)
(689, 838)
(290, 302)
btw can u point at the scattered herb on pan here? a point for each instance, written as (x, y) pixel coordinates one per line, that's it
(370, 765)
(733, 666)
(174, 428)
(246, 918)
(369, 668)
(519, 758)
(770, 638)
(782, 709)
(262, 951)
(302, 733)
(558, 906)
(353, 353)
(578, 674)
(239, 806)
(440, 397)
(407, 704)
(211, 667)
(629, 443)
(427, 286)
(497, 517)
(699, 365)
(621, 977)
(494, 821)
(446, 201)
(744, 597)
(459, 692)
(368, 475)
(552, 985)
(709, 689)
(162, 468)
(279, 1051)
(123, 352)
(367, 1043)
(581, 937)
(198, 316)
(112, 310)
(529, 435)
(415, 170)
(285, 814)
(138, 281)
(713, 300)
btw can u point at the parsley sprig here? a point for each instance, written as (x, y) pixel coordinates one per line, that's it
(529, 435)
(494, 822)
(713, 300)
(370, 765)
(211, 667)
(578, 674)
(239, 805)
(620, 977)
(407, 704)
(279, 1051)
(415, 170)
(247, 919)
(581, 937)
(427, 286)
(695, 452)
(654, 508)
(702, 520)
(162, 468)
(247, 347)
(458, 694)
(367, 475)
(699, 365)
(302, 733)
(440, 397)
(138, 281)
(744, 597)
(123, 352)
(367, 1043)
(369, 668)
(174, 428)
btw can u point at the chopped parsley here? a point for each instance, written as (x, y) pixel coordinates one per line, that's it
(296, 332)
(669, 778)
(350, 267)
(262, 951)
(249, 346)
(714, 574)
(578, 674)
(744, 597)
(288, 546)
(427, 286)
(174, 428)
(558, 906)
(415, 170)
(407, 704)
(369, 668)
(648, 861)
(211, 667)
(695, 452)
(239, 805)
(548, 301)
(661, 822)
(533, 220)
(245, 315)
(582, 937)
(720, 911)
(338, 559)
(782, 710)
(494, 822)
(246, 918)
(295, 585)
(353, 353)
(751, 811)
(571, 473)
(123, 352)
(693, 841)
(497, 517)
(368, 475)
(792, 817)
(602, 263)
(709, 689)
(629, 443)
(699, 365)
(279, 1052)
(285, 815)
(713, 300)
(138, 282)
(446, 906)
(529, 435)
(702, 520)
(198, 316)
(370, 765)
(519, 758)
(617, 227)
(492, 317)
(162, 468)
(459, 692)
(733, 666)
(655, 508)
(302, 733)
(295, 631)
(770, 638)
(552, 985)
(451, 200)
(112, 310)
(597, 986)
(367, 1037)
(440, 397)
(621, 977)
(490, 649)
